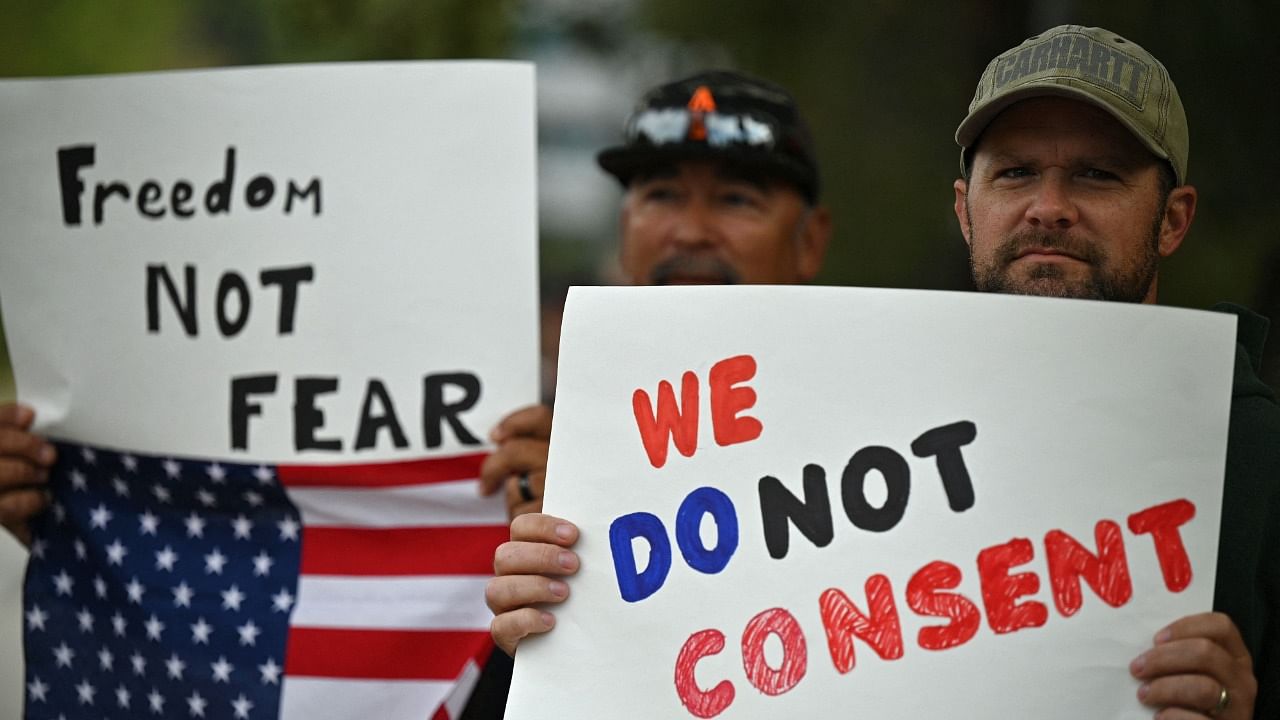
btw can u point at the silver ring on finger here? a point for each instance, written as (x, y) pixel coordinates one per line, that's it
(526, 492)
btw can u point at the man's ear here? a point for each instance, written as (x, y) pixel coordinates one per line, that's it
(1179, 211)
(812, 242)
(962, 214)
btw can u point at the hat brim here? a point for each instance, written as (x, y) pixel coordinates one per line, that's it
(972, 127)
(625, 162)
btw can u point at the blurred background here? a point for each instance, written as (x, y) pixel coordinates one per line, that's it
(883, 82)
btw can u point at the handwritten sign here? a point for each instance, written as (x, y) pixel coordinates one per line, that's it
(305, 260)
(270, 316)
(897, 504)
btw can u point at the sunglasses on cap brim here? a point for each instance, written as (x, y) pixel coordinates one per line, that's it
(679, 125)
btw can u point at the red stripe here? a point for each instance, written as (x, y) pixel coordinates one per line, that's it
(389, 474)
(382, 654)
(401, 551)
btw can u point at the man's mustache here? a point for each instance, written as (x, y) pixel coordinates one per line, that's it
(705, 268)
(1032, 240)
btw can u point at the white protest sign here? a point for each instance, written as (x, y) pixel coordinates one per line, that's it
(167, 234)
(270, 315)
(887, 503)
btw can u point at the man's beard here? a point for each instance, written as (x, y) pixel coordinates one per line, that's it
(700, 267)
(1103, 281)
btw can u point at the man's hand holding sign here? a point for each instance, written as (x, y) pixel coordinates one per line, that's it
(769, 531)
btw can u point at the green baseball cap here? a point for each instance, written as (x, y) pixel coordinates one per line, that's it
(1092, 65)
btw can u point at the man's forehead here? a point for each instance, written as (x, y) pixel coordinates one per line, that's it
(1042, 121)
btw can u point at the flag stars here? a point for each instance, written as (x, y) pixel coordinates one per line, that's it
(241, 706)
(99, 517)
(216, 473)
(100, 587)
(122, 697)
(85, 692)
(242, 527)
(195, 526)
(161, 492)
(263, 474)
(116, 552)
(288, 529)
(38, 548)
(200, 632)
(139, 663)
(270, 672)
(134, 591)
(175, 667)
(206, 498)
(156, 701)
(172, 468)
(182, 595)
(214, 562)
(121, 487)
(62, 583)
(118, 624)
(79, 481)
(231, 598)
(262, 563)
(36, 690)
(130, 462)
(282, 601)
(148, 523)
(85, 620)
(154, 627)
(166, 558)
(36, 618)
(253, 498)
(90, 457)
(63, 655)
(249, 633)
(82, 551)
(222, 670)
(196, 705)
(106, 660)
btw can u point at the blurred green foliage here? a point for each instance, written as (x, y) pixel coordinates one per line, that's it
(885, 83)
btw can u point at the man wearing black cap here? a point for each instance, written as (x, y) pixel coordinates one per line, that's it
(721, 187)
(1074, 162)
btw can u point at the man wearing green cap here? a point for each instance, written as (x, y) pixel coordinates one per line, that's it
(1074, 167)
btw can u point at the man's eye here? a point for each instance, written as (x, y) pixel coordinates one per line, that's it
(738, 198)
(659, 193)
(1015, 172)
(1098, 174)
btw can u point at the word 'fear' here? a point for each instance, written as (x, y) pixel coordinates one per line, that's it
(445, 397)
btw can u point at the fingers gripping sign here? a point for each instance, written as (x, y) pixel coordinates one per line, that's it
(518, 466)
(528, 573)
(1198, 668)
(25, 459)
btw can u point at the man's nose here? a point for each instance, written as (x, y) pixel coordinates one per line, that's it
(694, 223)
(1052, 206)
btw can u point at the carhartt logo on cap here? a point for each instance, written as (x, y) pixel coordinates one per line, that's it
(1081, 57)
(701, 103)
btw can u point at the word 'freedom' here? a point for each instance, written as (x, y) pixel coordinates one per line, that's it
(150, 199)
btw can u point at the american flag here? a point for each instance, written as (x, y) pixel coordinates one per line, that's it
(186, 588)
